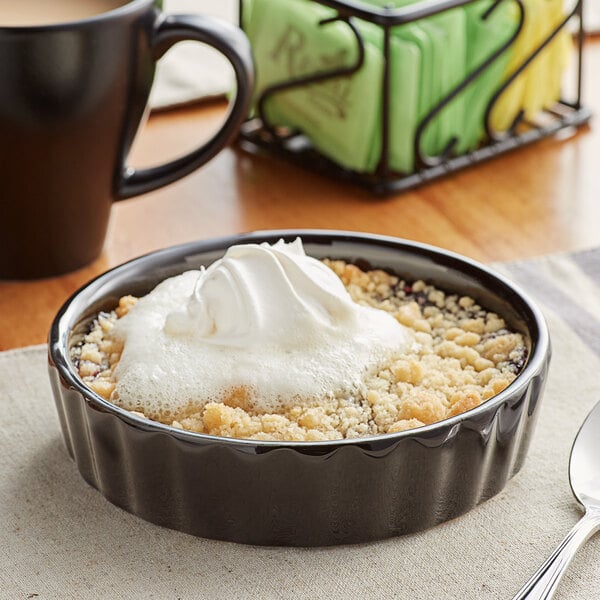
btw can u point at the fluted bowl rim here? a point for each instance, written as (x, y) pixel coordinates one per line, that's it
(74, 308)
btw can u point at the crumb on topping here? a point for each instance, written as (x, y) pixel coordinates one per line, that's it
(463, 356)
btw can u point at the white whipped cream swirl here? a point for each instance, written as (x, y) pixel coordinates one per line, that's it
(261, 294)
(265, 318)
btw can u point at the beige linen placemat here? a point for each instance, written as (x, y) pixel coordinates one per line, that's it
(60, 539)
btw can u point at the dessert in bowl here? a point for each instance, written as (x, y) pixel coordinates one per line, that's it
(381, 389)
(269, 343)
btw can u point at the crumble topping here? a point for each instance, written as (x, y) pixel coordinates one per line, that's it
(463, 355)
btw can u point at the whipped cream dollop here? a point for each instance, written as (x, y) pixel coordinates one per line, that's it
(265, 322)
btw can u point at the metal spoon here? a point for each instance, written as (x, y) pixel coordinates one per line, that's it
(584, 474)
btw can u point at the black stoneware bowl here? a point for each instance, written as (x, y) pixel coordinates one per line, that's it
(300, 493)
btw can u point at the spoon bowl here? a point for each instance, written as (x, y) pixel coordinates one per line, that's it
(584, 466)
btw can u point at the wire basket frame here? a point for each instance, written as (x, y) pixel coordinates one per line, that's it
(258, 134)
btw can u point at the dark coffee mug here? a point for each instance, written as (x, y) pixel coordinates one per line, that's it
(72, 96)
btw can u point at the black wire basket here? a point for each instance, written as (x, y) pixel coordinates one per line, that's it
(259, 134)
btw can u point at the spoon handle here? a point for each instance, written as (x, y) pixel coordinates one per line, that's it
(544, 582)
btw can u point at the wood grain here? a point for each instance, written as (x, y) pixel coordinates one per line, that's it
(537, 200)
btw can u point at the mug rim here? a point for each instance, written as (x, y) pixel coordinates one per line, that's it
(127, 7)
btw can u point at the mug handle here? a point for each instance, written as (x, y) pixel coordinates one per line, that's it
(234, 45)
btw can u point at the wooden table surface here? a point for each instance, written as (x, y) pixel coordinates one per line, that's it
(540, 199)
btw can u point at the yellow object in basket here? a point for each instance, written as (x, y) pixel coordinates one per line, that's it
(558, 57)
(538, 86)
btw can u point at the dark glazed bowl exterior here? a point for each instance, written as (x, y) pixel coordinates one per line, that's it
(300, 493)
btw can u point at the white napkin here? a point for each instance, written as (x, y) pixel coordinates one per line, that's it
(190, 71)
